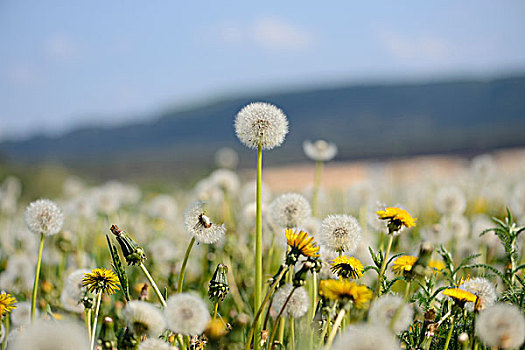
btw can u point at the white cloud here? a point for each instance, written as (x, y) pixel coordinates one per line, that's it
(60, 47)
(416, 46)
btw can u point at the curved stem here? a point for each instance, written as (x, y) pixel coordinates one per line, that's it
(258, 246)
(94, 328)
(274, 329)
(337, 323)
(383, 265)
(184, 263)
(449, 335)
(37, 276)
(153, 284)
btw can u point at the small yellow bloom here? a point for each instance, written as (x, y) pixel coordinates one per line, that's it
(7, 302)
(404, 264)
(360, 295)
(460, 295)
(436, 265)
(347, 267)
(101, 280)
(397, 217)
(301, 243)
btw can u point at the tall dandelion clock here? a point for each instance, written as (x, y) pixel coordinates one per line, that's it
(57, 335)
(450, 200)
(200, 226)
(143, 318)
(340, 233)
(290, 210)
(43, 217)
(320, 150)
(259, 126)
(186, 314)
(501, 326)
(298, 304)
(483, 289)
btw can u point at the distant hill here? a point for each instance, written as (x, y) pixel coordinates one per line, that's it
(365, 121)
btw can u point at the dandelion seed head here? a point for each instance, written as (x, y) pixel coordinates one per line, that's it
(384, 308)
(366, 337)
(297, 305)
(436, 234)
(261, 123)
(155, 344)
(320, 150)
(200, 226)
(59, 335)
(21, 316)
(186, 314)
(226, 157)
(450, 200)
(163, 206)
(340, 233)
(290, 210)
(483, 288)
(143, 318)
(227, 180)
(44, 216)
(501, 326)
(457, 225)
(19, 274)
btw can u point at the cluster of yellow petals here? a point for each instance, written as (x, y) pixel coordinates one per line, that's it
(347, 266)
(405, 263)
(460, 295)
(101, 280)
(302, 242)
(397, 214)
(7, 303)
(360, 295)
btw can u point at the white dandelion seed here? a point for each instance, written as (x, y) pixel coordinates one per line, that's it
(56, 335)
(73, 291)
(297, 305)
(450, 200)
(21, 316)
(19, 274)
(227, 180)
(44, 216)
(366, 337)
(186, 314)
(319, 150)
(261, 123)
(341, 233)
(143, 318)
(290, 210)
(501, 326)
(226, 157)
(200, 226)
(384, 308)
(155, 344)
(483, 288)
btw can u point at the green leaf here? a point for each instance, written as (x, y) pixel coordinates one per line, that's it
(119, 269)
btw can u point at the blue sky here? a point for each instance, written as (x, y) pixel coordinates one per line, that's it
(69, 63)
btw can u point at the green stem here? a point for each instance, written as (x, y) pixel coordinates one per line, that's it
(291, 342)
(383, 265)
(215, 308)
(184, 263)
(153, 284)
(87, 321)
(323, 333)
(317, 184)
(94, 328)
(258, 247)
(337, 323)
(6, 331)
(37, 276)
(449, 335)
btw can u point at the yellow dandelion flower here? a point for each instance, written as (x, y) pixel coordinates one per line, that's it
(436, 265)
(101, 280)
(359, 295)
(460, 295)
(7, 302)
(404, 264)
(396, 217)
(301, 243)
(347, 267)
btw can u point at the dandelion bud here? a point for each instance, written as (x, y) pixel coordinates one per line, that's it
(218, 287)
(87, 302)
(107, 339)
(133, 253)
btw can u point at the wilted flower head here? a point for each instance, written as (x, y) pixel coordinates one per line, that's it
(261, 124)
(450, 200)
(341, 233)
(44, 216)
(483, 289)
(155, 344)
(319, 150)
(74, 291)
(501, 326)
(384, 308)
(296, 306)
(290, 210)
(101, 280)
(143, 318)
(366, 337)
(186, 314)
(200, 226)
(57, 335)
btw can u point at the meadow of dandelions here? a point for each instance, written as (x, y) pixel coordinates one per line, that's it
(429, 263)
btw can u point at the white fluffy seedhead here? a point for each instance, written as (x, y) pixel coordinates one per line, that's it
(155, 344)
(186, 314)
(44, 216)
(501, 326)
(51, 335)
(483, 288)
(200, 226)
(143, 318)
(384, 308)
(340, 233)
(290, 210)
(319, 150)
(366, 337)
(297, 305)
(261, 123)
